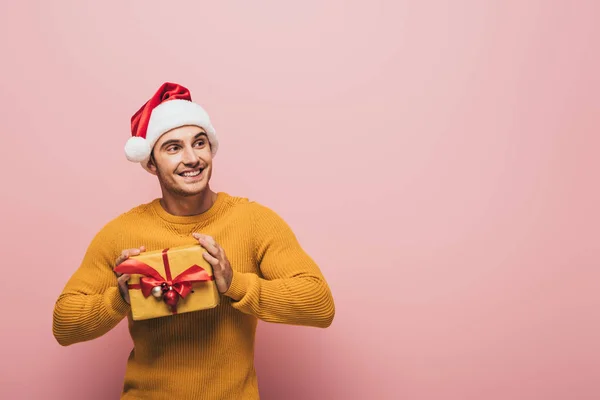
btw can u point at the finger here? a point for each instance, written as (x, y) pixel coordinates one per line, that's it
(212, 249)
(210, 259)
(125, 254)
(206, 238)
(123, 278)
(133, 252)
(197, 235)
(211, 240)
(210, 246)
(200, 237)
(122, 257)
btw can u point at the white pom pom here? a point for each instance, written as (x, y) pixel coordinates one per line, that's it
(137, 149)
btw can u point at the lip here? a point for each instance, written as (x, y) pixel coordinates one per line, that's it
(192, 178)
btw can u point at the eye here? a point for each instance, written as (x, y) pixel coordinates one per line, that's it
(172, 148)
(200, 143)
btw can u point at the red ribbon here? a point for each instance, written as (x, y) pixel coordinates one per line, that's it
(182, 284)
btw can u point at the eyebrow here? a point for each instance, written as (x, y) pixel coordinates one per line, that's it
(178, 141)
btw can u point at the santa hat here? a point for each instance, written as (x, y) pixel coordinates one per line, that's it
(171, 107)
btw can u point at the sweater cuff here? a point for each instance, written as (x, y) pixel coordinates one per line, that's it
(115, 304)
(239, 285)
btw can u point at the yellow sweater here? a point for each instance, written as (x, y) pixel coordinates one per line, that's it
(207, 354)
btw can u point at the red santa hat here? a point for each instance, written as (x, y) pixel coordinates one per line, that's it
(171, 107)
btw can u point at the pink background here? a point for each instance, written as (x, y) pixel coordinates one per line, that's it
(439, 159)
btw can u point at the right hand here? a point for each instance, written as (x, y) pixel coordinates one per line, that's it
(123, 278)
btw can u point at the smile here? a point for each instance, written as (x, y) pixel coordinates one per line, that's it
(191, 174)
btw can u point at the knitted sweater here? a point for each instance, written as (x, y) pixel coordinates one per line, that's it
(207, 354)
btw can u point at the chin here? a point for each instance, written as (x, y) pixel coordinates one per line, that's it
(190, 191)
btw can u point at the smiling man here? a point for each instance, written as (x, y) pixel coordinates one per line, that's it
(260, 269)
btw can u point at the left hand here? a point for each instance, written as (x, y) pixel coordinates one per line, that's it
(216, 257)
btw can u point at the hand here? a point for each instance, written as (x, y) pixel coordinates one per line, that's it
(216, 257)
(123, 278)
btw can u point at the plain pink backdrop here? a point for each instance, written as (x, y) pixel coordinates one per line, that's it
(439, 159)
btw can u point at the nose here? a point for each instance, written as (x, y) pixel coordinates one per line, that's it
(189, 156)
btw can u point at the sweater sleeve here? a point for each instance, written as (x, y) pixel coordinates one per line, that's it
(291, 288)
(90, 304)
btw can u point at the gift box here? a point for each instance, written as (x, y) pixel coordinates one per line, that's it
(170, 281)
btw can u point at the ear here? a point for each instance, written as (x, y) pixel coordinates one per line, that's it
(152, 165)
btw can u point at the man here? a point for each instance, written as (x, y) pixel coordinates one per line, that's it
(260, 270)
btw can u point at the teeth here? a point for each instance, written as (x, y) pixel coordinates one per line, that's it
(189, 174)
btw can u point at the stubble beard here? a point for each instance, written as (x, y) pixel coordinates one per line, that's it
(170, 186)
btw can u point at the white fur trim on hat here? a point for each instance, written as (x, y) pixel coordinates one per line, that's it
(176, 113)
(167, 116)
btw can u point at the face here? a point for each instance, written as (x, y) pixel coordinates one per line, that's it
(182, 161)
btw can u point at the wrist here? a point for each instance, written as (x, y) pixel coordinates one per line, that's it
(238, 286)
(115, 302)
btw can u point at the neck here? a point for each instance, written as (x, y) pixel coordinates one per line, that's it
(188, 205)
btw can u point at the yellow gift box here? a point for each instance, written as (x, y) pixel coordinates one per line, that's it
(169, 281)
